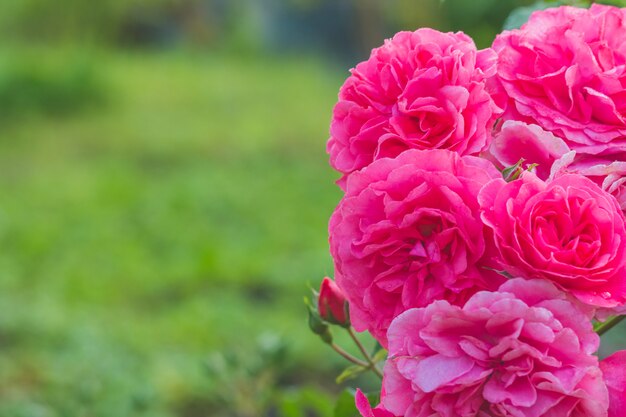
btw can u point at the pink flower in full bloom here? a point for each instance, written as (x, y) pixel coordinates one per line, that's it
(424, 90)
(614, 374)
(565, 70)
(407, 232)
(568, 231)
(523, 351)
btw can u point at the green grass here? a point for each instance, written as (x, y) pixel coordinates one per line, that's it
(184, 217)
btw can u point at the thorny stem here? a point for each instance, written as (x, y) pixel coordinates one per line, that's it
(370, 362)
(609, 324)
(349, 357)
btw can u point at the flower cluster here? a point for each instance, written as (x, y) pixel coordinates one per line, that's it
(482, 231)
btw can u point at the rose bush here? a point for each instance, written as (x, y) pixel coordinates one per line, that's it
(422, 89)
(482, 235)
(408, 232)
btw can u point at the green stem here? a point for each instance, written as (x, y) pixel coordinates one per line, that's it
(609, 324)
(368, 358)
(349, 357)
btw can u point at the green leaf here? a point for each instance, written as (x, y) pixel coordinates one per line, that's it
(351, 372)
(520, 15)
(380, 355)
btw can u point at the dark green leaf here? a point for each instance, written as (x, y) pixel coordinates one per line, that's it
(520, 15)
(345, 407)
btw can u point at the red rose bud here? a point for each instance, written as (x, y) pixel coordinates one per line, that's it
(332, 304)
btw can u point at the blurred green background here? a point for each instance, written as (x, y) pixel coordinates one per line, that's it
(165, 195)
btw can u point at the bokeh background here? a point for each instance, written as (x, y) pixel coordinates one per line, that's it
(165, 195)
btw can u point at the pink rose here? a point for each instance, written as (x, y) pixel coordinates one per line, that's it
(408, 232)
(524, 351)
(607, 173)
(518, 140)
(568, 231)
(565, 71)
(614, 374)
(422, 89)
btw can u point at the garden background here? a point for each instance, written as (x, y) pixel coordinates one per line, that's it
(164, 198)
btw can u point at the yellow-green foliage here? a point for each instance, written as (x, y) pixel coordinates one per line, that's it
(180, 219)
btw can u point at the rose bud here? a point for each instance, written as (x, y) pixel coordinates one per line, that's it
(332, 304)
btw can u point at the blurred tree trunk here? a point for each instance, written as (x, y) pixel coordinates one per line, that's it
(371, 23)
(198, 24)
